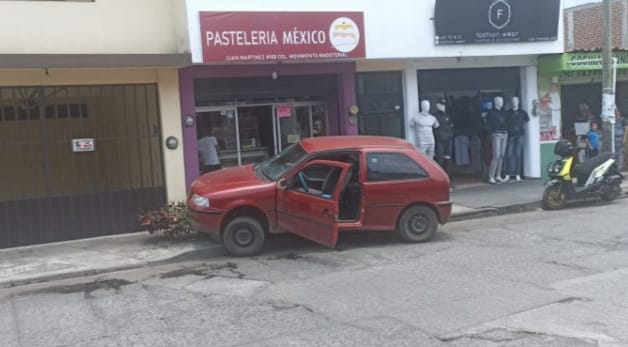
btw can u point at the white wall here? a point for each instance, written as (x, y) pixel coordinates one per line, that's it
(394, 29)
(100, 27)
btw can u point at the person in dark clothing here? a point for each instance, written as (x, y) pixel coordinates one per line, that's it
(444, 136)
(516, 137)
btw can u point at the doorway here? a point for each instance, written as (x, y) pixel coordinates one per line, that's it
(251, 133)
(299, 121)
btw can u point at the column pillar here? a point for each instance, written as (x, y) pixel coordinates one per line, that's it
(532, 148)
(411, 99)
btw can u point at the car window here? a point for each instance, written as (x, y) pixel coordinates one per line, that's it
(317, 180)
(278, 165)
(392, 167)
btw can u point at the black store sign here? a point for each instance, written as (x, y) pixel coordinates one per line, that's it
(495, 21)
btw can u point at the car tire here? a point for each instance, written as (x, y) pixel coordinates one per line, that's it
(417, 224)
(243, 237)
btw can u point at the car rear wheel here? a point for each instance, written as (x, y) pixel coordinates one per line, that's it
(417, 224)
(243, 237)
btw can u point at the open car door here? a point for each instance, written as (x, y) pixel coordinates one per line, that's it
(310, 209)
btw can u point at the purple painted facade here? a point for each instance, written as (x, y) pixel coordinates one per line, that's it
(338, 107)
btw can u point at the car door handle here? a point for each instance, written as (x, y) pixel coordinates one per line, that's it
(327, 213)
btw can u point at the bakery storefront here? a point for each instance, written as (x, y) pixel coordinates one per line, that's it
(265, 80)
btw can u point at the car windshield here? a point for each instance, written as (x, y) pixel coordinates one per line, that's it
(278, 165)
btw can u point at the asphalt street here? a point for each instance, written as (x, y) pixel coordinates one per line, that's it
(533, 279)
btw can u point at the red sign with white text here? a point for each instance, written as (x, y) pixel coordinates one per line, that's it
(281, 36)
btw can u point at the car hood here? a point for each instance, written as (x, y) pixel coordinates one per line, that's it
(227, 180)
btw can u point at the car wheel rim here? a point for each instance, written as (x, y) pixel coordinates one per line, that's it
(243, 237)
(418, 224)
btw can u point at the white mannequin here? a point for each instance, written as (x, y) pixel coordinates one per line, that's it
(440, 107)
(425, 107)
(515, 103)
(499, 103)
(423, 125)
(499, 134)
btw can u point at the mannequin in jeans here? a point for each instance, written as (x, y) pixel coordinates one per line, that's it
(516, 136)
(424, 124)
(498, 124)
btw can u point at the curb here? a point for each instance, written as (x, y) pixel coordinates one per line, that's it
(502, 211)
(496, 211)
(196, 254)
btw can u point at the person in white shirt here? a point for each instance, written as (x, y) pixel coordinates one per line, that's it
(208, 153)
(424, 124)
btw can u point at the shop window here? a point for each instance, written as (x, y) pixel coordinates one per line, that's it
(57, 111)
(380, 100)
(392, 167)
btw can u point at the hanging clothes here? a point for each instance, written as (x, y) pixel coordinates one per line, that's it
(462, 153)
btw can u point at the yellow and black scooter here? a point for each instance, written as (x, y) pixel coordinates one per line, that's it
(595, 177)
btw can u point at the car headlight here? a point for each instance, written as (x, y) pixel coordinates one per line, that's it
(200, 201)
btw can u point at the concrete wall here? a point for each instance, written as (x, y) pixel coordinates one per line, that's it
(99, 27)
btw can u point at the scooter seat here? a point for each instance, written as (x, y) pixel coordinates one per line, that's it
(584, 169)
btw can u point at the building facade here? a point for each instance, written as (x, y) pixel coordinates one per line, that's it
(576, 75)
(88, 95)
(396, 55)
(103, 123)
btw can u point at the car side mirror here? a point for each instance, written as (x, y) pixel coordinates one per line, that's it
(282, 184)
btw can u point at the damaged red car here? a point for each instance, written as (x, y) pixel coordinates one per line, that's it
(320, 187)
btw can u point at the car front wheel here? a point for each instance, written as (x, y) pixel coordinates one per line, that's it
(417, 224)
(243, 237)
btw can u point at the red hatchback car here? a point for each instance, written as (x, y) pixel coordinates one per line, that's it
(320, 187)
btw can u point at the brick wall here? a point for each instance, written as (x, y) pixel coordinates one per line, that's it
(583, 26)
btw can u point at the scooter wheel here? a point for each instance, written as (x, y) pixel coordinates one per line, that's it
(553, 198)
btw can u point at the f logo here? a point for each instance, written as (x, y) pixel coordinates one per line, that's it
(499, 14)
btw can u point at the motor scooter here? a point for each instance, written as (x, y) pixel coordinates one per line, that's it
(593, 178)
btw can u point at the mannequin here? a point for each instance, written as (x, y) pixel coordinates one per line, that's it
(516, 138)
(424, 124)
(444, 136)
(498, 125)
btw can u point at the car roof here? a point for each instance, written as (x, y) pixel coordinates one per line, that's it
(326, 143)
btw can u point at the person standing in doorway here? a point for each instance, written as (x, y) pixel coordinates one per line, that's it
(516, 137)
(593, 141)
(498, 124)
(208, 153)
(424, 124)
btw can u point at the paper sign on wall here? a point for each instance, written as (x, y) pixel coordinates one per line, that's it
(284, 111)
(83, 145)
